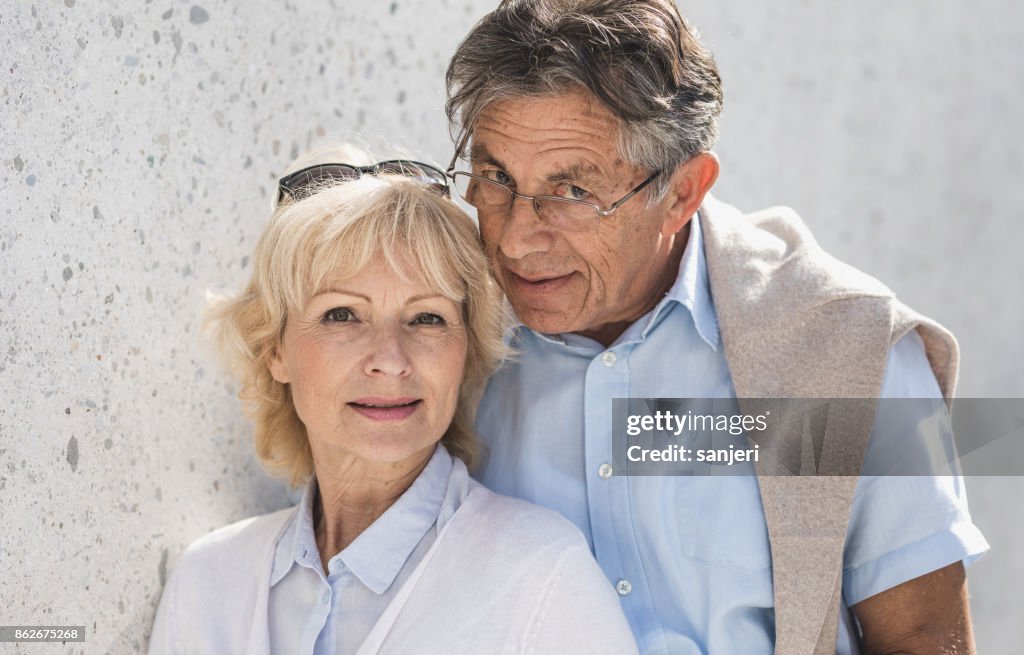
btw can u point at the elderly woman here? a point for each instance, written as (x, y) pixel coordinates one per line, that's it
(362, 342)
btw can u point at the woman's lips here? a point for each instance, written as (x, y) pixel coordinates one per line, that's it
(385, 410)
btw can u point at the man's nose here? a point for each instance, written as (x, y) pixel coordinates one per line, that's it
(523, 233)
(387, 353)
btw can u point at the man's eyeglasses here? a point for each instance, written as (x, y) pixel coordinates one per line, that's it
(561, 213)
(309, 180)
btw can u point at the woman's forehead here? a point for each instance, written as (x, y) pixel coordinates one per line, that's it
(394, 271)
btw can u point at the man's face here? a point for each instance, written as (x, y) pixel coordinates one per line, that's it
(561, 281)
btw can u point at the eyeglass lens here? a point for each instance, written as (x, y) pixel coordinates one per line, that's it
(486, 195)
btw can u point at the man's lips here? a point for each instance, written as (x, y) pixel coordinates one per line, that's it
(537, 283)
(385, 409)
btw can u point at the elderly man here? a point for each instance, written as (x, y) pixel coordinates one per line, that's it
(586, 134)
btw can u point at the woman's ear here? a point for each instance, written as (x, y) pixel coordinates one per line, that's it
(690, 182)
(278, 367)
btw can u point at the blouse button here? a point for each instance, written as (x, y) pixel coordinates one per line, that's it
(623, 587)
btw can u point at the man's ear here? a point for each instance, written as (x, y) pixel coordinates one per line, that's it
(690, 182)
(278, 367)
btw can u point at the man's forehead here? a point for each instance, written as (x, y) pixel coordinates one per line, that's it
(569, 110)
(565, 128)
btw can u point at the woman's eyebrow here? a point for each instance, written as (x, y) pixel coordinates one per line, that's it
(424, 296)
(409, 301)
(343, 292)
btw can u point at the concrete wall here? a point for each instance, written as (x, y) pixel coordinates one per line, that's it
(139, 143)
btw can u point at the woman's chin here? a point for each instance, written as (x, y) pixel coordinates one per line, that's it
(390, 447)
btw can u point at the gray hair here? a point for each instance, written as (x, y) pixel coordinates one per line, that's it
(639, 58)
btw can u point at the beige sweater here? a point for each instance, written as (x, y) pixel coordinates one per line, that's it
(797, 323)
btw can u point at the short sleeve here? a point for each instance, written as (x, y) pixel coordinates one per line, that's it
(901, 526)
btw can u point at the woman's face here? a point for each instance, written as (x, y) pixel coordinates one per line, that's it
(374, 364)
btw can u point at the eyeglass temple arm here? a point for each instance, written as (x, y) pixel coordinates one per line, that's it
(620, 201)
(463, 140)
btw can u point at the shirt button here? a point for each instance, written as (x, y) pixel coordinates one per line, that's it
(605, 471)
(623, 587)
(608, 358)
(326, 598)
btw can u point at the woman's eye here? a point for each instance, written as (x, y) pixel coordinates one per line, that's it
(428, 319)
(339, 315)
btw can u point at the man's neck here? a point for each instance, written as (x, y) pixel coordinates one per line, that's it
(607, 334)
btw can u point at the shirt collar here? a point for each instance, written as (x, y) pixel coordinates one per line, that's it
(691, 289)
(378, 554)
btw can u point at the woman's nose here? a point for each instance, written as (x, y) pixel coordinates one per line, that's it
(387, 353)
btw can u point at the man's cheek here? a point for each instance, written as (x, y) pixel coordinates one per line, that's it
(488, 239)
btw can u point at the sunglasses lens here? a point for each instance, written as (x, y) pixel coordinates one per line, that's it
(421, 172)
(306, 182)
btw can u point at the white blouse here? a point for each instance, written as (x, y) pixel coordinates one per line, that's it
(488, 574)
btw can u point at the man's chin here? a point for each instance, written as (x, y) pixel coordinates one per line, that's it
(541, 319)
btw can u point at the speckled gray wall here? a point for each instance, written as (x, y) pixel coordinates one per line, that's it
(139, 142)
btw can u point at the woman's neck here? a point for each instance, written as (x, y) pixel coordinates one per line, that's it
(354, 493)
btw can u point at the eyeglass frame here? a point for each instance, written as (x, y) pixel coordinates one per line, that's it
(601, 213)
(442, 186)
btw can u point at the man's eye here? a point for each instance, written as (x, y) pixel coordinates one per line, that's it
(339, 315)
(428, 319)
(495, 175)
(573, 192)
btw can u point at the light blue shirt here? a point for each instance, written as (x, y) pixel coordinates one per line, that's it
(309, 612)
(690, 555)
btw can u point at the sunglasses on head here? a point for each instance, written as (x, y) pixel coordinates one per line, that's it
(303, 183)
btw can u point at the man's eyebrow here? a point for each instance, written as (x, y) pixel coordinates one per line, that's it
(577, 171)
(479, 154)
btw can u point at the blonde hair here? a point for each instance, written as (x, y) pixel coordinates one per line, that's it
(333, 233)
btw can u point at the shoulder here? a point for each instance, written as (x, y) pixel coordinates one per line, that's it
(514, 576)
(510, 524)
(234, 550)
(774, 249)
(196, 612)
